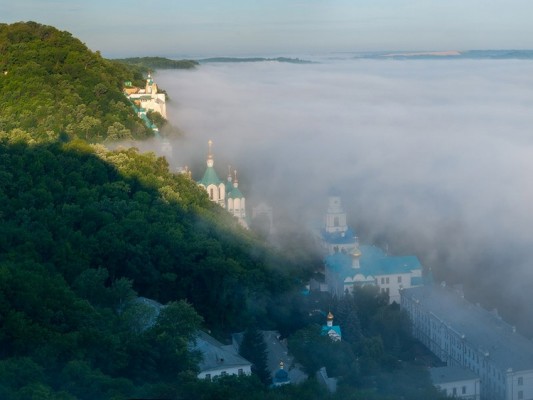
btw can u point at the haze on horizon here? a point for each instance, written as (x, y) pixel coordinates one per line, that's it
(278, 27)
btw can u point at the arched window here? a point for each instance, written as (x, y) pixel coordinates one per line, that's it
(336, 221)
(211, 193)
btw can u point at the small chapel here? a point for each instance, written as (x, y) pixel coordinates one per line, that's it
(225, 193)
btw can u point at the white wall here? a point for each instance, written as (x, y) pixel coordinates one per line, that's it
(467, 389)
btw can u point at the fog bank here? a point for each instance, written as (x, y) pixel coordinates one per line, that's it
(432, 157)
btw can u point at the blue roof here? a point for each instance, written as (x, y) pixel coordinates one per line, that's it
(281, 376)
(373, 262)
(339, 237)
(335, 328)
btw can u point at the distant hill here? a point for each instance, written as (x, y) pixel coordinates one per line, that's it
(152, 63)
(252, 59)
(453, 54)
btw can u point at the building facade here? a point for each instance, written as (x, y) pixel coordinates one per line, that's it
(466, 335)
(456, 382)
(218, 359)
(348, 264)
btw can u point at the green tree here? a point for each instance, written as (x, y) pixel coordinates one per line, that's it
(254, 349)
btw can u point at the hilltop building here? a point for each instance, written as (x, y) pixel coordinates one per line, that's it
(225, 194)
(466, 335)
(347, 263)
(146, 99)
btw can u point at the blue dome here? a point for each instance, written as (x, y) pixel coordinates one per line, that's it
(281, 376)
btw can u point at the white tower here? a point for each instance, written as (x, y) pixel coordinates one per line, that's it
(337, 236)
(335, 221)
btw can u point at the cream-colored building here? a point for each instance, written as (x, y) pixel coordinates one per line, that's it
(147, 99)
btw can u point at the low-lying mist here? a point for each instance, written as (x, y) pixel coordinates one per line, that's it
(433, 158)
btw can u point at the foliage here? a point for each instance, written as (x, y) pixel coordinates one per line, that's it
(254, 349)
(315, 350)
(82, 232)
(52, 85)
(373, 359)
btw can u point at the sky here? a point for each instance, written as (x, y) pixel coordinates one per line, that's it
(432, 157)
(177, 28)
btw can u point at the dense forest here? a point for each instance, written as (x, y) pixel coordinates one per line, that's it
(52, 86)
(85, 231)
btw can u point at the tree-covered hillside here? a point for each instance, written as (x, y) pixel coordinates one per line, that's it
(52, 86)
(84, 231)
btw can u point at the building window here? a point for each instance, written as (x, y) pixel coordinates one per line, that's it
(208, 376)
(463, 390)
(387, 280)
(520, 380)
(520, 395)
(241, 372)
(336, 221)
(211, 193)
(223, 373)
(382, 281)
(399, 279)
(454, 392)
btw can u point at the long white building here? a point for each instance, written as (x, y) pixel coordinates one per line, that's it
(463, 334)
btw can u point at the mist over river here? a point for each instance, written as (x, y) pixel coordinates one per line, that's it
(431, 157)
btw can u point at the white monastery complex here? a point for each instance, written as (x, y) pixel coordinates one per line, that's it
(147, 99)
(347, 263)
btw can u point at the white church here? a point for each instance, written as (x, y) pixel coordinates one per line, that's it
(225, 193)
(348, 264)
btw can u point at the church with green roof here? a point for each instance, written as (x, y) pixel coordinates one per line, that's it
(225, 193)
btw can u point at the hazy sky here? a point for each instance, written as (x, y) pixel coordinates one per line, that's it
(238, 27)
